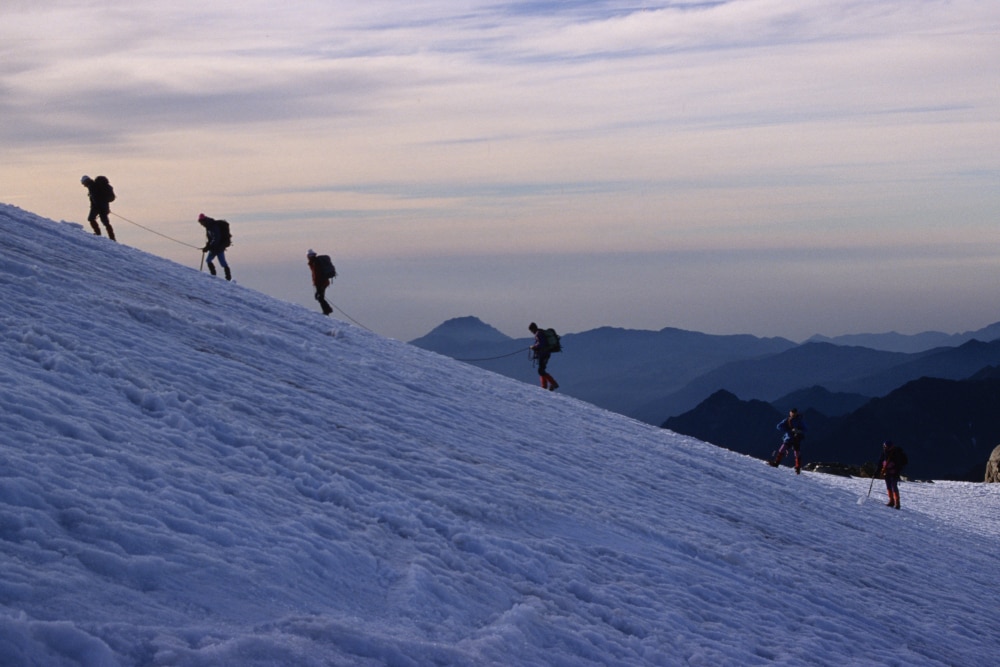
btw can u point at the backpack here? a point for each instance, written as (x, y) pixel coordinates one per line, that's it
(223, 237)
(552, 341)
(901, 459)
(106, 189)
(325, 267)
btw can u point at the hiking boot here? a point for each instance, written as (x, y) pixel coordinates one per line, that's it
(229, 275)
(772, 463)
(798, 470)
(211, 268)
(553, 385)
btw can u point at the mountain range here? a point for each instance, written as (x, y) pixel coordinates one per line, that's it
(655, 375)
(731, 390)
(617, 369)
(948, 427)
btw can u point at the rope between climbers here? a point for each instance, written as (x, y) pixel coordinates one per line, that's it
(169, 238)
(154, 231)
(502, 356)
(351, 318)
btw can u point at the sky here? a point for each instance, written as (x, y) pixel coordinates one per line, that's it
(218, 477)
(749, 166)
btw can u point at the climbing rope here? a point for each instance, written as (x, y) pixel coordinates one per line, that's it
(169, 238)
(502, 356)
(351, 318)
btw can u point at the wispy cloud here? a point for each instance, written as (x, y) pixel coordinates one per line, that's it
(629, 126)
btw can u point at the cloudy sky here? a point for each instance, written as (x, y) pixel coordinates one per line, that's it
(746, 166)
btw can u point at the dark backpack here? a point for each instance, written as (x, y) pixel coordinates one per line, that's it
(223, 237)
(325, 267)
(552, 341)
(106, 189)
(901, 459)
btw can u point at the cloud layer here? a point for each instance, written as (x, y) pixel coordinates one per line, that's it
(751, 134)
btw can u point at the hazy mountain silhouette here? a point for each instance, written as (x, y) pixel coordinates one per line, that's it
(832, 404)
(910, 343)
(748, 427)
(948, 427)
(769, 378)
(844, 370)
(655, 375)
(954, 363)
(462, 336)
(617, 369)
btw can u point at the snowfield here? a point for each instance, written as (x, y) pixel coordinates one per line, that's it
(195, 474)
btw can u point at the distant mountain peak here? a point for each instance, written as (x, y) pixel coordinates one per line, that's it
(468, 329)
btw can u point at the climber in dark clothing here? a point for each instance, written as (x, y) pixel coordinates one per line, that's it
(218, 239)
(542, 353)
(101, 195)
(321, 278)
(890, 467)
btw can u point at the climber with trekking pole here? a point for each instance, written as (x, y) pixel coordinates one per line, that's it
(890, 468)
(218, 238)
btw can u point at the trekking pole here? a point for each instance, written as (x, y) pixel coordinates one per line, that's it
(871, 485)
(200, 266)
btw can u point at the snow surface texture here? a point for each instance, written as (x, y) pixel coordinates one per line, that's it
(192, 473)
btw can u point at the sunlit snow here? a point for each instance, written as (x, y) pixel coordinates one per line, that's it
(192, 473)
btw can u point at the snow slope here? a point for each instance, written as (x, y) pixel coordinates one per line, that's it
(192, 473)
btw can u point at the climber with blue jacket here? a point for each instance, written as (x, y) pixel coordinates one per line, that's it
(794, 429)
